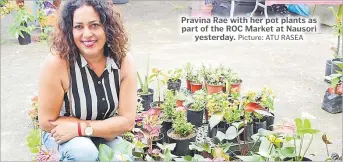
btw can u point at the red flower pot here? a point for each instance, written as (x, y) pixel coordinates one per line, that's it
(214, 89)
(235, 88)
(179, 102)
(188, 84)
(195, 87)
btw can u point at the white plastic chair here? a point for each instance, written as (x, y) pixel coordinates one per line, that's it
(259, 4)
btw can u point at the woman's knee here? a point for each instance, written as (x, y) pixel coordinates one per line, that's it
(79, 149)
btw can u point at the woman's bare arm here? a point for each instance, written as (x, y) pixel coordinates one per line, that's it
(51, 92)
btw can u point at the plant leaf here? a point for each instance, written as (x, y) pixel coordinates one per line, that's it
(231, 133)
(105, 153)
(252, 106)
(215, 119)
(249, 158)
(288, 152)
(188, 158)
(325, 139)
(220, 135)
(264, 113)
(307, 124)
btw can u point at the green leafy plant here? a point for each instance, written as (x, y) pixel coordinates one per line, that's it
(122, 152)
(266, 98)
(337, 27)
(188, 70)
(180, 96)
(214, 78)
(147, 79)
(33, 141)
(160, 78)
(174, 75)
(21, 20)
(197, 106)
(166, 154)
(336, 80)
(181, 126)
(168, 106)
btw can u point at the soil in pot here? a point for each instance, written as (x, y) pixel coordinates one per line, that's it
(259, 124)
(195, 87)
(211, 89)
(182, 143)
(174, 86)
(147, 99)
(293, 159)
(166, 125)
(247, 133)
(195, 117)
(332, 103)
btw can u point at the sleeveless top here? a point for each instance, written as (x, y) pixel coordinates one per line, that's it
(93, 97)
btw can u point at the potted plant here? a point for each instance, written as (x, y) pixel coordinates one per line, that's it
(332, 101)
(214, 83)
(248, 127)
(334, 156)
(180, 98)
(216, 105)
(330, 66)
(303, 127)
(181, 133)
(195, 83)
(188, 73)
(234, 83)
(157, 74)
(20, 28)
(168, 112)
(151, 129)
(173, 79)
(146, 93)
(266, 100)
(225, 74)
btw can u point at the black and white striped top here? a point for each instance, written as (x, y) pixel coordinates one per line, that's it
(93, 98)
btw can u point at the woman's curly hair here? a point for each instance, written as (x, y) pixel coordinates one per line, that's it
(116, 37)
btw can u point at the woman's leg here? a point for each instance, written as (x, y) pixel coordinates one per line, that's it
(76, 149)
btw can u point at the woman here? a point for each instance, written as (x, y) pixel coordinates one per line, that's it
(88, 87)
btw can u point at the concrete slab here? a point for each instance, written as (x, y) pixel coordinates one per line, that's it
(294, 70)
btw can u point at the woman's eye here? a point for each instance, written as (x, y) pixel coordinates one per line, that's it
(95, 25)
(77, 27)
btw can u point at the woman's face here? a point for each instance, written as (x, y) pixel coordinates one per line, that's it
(88, 32)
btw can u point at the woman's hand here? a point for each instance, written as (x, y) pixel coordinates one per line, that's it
(63, 132)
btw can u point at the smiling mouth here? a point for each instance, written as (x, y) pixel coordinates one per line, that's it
(90, 43)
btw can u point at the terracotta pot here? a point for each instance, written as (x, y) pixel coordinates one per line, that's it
(214, 89)
(179, 102)
(188, 84)
(235, 87)
(195, 87)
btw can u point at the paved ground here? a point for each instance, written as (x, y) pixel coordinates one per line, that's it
(294, 70)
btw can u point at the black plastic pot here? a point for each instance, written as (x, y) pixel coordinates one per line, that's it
(332, 103)
(328, 67)
(174, 86)
(26, 39)
(258, 125)
(334, 67)
(182, 145)
(166, 125)
(247, 133)
(195, 117)
(159, 140)
(270, 122)
(219, 127)
(293, 159)
(147, 99)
